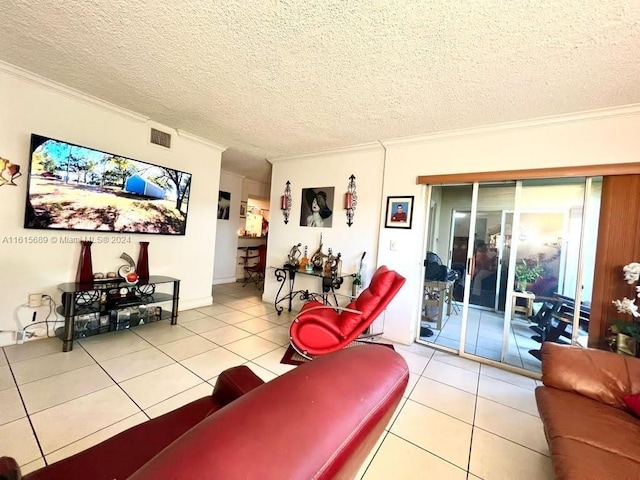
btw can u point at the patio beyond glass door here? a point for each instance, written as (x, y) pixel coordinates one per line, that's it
(486, 318)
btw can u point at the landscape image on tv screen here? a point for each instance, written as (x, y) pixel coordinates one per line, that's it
(77, 188)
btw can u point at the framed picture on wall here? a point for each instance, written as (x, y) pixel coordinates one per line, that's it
(317, 207)
(399, 212)
(243, 209)
(224, 204)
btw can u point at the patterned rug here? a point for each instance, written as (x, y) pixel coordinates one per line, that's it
(291, 357)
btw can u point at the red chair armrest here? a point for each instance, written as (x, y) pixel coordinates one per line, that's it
(9, 469)
(235, 382)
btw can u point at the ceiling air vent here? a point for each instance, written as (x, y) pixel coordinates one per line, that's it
(160, 138)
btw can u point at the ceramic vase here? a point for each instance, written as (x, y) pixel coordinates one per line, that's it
(85, 267)
(142, 267)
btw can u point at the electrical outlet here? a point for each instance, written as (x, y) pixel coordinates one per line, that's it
(35, 300)
(392, 245)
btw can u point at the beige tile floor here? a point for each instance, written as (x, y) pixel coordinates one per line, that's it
(458, 419)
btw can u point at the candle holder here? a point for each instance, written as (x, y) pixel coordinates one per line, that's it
(351, 200)
(285, 202)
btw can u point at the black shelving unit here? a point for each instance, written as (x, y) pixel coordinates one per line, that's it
(103, 306)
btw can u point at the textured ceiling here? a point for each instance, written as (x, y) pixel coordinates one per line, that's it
(279, 77)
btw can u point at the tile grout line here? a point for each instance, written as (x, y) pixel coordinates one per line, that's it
(115, 382)
(425, 450)
(513, 441)
(28, 416)
(473, 427)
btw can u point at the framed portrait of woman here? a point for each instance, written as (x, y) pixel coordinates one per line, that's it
(317, 207)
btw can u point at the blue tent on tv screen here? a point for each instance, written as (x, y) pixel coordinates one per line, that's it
(137, 184)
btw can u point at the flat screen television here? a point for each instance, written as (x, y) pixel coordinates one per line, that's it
(71, 187)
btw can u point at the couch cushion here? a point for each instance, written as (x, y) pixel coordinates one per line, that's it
(574, 459)
(567, 415)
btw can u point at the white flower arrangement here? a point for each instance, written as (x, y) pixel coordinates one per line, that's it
(631, 273)
(628, 306)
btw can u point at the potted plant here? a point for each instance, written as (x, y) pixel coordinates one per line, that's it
(527, 271)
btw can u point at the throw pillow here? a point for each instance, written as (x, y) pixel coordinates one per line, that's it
(633, 403)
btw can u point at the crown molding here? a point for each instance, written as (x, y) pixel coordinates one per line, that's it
(204, 141)
(323, 153)
(41, 81)
(233, 174)
(541, 122)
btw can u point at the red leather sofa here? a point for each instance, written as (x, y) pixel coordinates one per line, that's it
(318, 421)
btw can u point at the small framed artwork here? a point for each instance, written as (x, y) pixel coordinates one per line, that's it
(243, 209)
(399, 212)
(224, 204)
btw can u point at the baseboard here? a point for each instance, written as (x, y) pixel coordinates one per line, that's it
(195, 303)
(220, 281)
(7, 338)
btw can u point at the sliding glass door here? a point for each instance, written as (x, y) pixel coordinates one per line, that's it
(507, 252)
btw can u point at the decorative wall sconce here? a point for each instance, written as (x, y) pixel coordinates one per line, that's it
(351, 199)
(285, 202)
(8, 172)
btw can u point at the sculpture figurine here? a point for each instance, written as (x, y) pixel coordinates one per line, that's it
(293, 259)
(328, 263)
(336, 266)
(317, 259)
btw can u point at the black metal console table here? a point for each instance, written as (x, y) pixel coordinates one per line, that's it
(106, 298)
(287, 275)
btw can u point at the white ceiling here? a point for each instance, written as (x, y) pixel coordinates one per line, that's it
(272, 78)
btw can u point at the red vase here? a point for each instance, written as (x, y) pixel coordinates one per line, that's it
(142, 268)
(85, 268)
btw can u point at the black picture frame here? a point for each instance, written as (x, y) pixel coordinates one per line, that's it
(399, 212)
(322, 218)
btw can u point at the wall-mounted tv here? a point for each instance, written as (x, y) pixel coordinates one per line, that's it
(71, 187)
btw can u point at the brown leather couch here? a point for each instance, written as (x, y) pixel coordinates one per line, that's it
(590, 431)
(319, 421)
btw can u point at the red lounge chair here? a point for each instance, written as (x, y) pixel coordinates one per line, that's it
(319, 329)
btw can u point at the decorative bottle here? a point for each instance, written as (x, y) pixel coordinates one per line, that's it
(142, 267)
(85, 267)
(304, 260)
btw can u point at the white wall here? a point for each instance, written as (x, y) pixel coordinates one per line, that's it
(226, 244)
(34, 105)
(326, 170)
(254, 189)
(605, 137)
